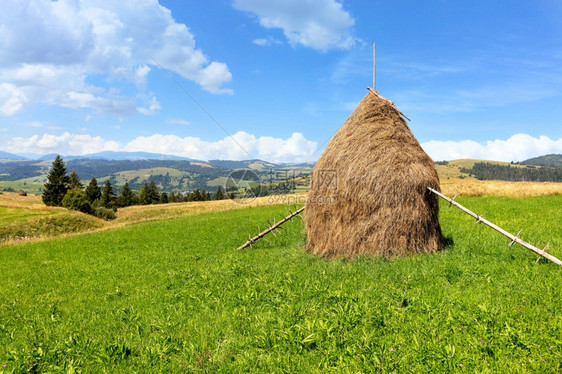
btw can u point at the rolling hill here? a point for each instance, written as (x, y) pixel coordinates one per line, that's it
(547, 160)
(169, 175)
(173, 173)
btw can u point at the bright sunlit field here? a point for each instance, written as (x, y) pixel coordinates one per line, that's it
(176, 296)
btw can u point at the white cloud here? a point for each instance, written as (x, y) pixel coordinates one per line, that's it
(49, 57)
(318, 24)
(153, 107)
(242, 146)
(11, 99)
(264, 42)
(518, 147)
(261, 42)
(140, 75)
(67, 143)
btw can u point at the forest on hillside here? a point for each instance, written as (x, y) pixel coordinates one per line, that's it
(530, 173)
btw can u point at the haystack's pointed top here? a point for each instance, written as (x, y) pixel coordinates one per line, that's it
(374, 92)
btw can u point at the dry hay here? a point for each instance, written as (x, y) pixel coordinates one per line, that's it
(474, 187)
(369, 194)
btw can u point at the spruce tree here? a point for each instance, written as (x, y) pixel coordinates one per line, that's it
(144, 198)
(57, 184)
(127, 197)
(219, 195)
(107, 198)
(154, 195)
(93, 191)
(196, 195)
(74, 181)
(164, 198)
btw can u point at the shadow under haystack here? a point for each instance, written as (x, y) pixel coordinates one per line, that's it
(369, 191)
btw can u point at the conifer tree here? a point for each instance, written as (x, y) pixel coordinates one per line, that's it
(74, 181)
(154, 195)
(196, 195)
(127, 196)
(219, 195)
(57, 184)
(107, 198)
(93, 191)
(144, 195)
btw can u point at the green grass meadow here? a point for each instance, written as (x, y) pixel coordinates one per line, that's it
(176, 296)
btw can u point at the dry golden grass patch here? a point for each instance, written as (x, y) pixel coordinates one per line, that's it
(15, 197)
(473, 187)
(34, 202)
(141, 213)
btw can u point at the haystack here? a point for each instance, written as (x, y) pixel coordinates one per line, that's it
(369, 189)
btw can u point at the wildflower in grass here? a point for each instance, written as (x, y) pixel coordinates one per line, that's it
(551, 347)
(391, 349)
(543, 361)
(481, 340)
(460, 365)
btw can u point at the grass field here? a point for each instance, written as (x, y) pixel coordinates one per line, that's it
(474, 188)
(175, 296)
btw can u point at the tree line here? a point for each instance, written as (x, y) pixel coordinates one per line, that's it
(67, 190)
(487, 171)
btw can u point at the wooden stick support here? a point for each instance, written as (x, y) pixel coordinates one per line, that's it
(270, 229)
(374, 68)
(453, 199)
(514, 238)
(513, 241)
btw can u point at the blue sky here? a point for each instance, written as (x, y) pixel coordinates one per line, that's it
(275, 79)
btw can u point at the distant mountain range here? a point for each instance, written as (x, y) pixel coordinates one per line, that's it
(136, 156)
(171, 173)
(546, 160)
(11, 156)
(116, 156)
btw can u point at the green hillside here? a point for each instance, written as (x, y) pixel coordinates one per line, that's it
(183, 175)
(548, 160)
(169, 175)
(457, 169)
(176, 296)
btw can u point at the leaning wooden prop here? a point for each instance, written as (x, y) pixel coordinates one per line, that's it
(479, 219)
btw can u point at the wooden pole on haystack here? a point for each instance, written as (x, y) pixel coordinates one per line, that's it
(514, 238)
(374, 68)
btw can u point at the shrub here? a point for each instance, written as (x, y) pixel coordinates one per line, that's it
(104, 213)
(76, 199)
